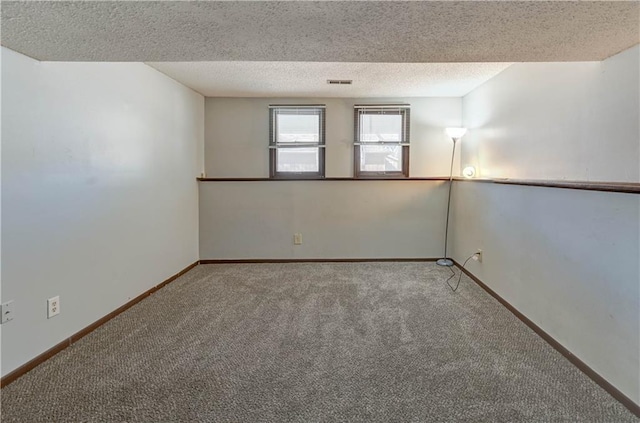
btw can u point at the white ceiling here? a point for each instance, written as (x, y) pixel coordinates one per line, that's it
(309, 79)
(290, 48)
(325, 31)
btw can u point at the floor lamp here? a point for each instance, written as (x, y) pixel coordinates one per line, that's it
(455, 134)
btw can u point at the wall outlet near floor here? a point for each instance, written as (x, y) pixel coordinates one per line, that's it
(53, 306)
(297, 239)
(7, 311)
(479, 255)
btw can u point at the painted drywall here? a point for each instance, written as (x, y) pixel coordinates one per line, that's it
(100, 201)
(0, 204)
(575, 121)
(237, 134)
(567, 259)
(337, 219)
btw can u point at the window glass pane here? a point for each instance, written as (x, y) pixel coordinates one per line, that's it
(380, 128)
(300, 128)
(298, 159)
(380, 158)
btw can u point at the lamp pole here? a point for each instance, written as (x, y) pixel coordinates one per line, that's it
(445, 261)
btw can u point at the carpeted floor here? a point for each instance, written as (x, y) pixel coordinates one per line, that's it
(316, 342)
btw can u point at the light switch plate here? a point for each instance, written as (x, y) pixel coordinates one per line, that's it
(7, 311)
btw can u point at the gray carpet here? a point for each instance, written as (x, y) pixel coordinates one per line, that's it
(316, 342)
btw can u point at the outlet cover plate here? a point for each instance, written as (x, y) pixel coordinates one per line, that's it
(53, 307)
(7, 311)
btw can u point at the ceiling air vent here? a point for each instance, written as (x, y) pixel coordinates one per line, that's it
(339, 81)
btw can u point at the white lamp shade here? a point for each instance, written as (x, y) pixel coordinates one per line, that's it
(456, 133)
(469, 172)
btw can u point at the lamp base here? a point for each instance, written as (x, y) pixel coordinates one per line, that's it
(445, 262)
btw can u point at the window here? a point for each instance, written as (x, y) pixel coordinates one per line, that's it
(296, 144)
(381, 147)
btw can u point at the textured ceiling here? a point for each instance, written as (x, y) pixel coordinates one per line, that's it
(335, 31)
(309, 79)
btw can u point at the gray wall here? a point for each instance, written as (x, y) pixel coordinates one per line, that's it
(100, 201)
(237, 134)
(338, 219)
(577, 121)
(568, 260)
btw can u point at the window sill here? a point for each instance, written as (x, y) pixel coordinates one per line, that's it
(608, 186)
(366, 178)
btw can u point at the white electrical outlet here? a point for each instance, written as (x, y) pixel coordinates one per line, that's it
(479, 255)
(53, 307)
(7, 311)
(297, 239)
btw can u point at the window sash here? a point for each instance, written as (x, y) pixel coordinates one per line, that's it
(275, 144)
(360, 144)
(308, 161)
(376, 159)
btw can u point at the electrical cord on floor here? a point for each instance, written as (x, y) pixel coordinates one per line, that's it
(453, 274)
